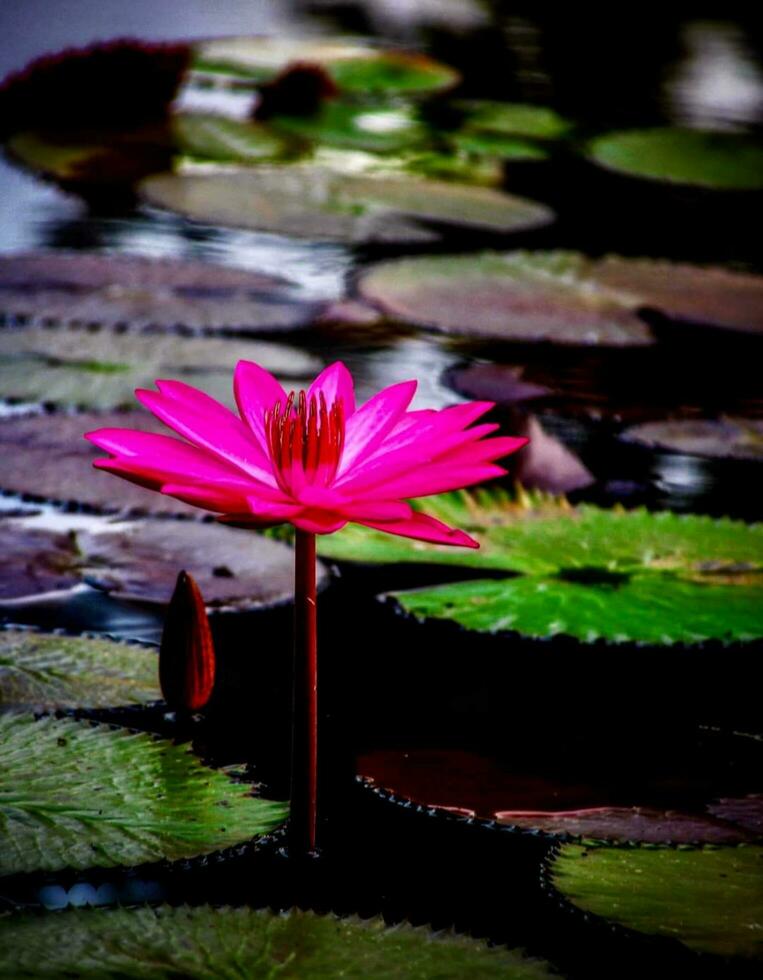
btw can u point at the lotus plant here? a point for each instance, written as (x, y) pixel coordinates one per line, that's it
(314, 460)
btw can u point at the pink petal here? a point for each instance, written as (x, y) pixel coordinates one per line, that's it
(376, 510)
(425, 528)
(224, 435)
(336, 383)
(437, 478)
(209, 497)
(319, 522)
(372, 421)
(485, 451)
(256, 391)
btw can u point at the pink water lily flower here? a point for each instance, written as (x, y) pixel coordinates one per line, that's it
(311, 459)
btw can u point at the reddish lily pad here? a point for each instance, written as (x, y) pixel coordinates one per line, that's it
(102, 369)
(718, 439)
(140, 561)
(745, 812)
(313, 202)
(562, 297)
(102, 289)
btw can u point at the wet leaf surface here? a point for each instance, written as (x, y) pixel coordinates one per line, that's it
(76, 795)
(715, 160)
(101, 369)
(709, 899)
(729, 438)
(378, 130)
(43, 671)
(212, 137)
(230, 943)
(102, 289)
(313, 202)
(514, 119)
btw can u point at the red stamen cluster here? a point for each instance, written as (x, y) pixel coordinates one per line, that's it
(305, 439)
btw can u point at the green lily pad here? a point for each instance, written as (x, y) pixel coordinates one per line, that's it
(563, 297)
(230, 943)
(51, 672)
(206, 136)
(514, 119)
(585, 572)
(497, 145)
(102, 369)
(355, 68)
(718, 161)
(76, 795)
(378, 130)
(313, 202)
(106, 290)
(708, 899)
(716, 439)
(140, 560)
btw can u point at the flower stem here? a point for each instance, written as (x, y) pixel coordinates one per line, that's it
(304, 749)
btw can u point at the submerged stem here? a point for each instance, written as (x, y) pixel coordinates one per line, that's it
(304, 751)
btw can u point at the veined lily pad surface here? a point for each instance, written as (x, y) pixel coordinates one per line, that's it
(140, 561)
(729, 438)
(713, 160)
(40, 670)
(379, 130)
(76, 795)
(355, 67)
(708, 899)
(585, 572)
(230, 943)
(103, 289)
(313, 202)
(563, 297)
(514, 119)
(101, 369)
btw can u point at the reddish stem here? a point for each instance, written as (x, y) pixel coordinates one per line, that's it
(304, 750)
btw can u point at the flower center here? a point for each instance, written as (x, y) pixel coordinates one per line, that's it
(305, 438)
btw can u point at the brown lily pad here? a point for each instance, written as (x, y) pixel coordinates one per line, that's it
(562, 297)
(730, 438)
(100, 289)
(308, 201)
(101, 369)
(140, 561)
(745, 812)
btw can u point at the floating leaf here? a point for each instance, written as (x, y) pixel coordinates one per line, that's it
(562, 297)
(76, 795)
(140, 561)
(230, 943)
(718, 439)
(497, 145)
(46, 671)
(206, 136)
(514, 119)
(313, 202)
(379, 130)
(746, 812)
(101, 369)
(708, 899)
(356, 68)
(715, 160)
(585, 572)
(102, 289)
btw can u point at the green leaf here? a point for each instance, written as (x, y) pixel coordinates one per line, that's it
(586, 572)
(314, 202)
(497, 145)
(205, 943)
(378, 130)
(391, 73)
(206, 136)
(720, 161)
(708, 899)
(63, 672)
(76, 795)
(514, 119)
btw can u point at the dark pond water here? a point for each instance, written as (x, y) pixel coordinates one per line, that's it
(618, 69)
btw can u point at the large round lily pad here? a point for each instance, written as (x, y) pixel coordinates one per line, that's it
(379, 130)
(140, 560)
(44, 671)
(513, 119)
(356, 68)
(585, 572)
(88, 288)
(729, 438)
(313, 202)
(230, 943)
(207, 136)
(76, 795)
(562, 297)
(101, 369)
(708, 899)
(715, 160)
